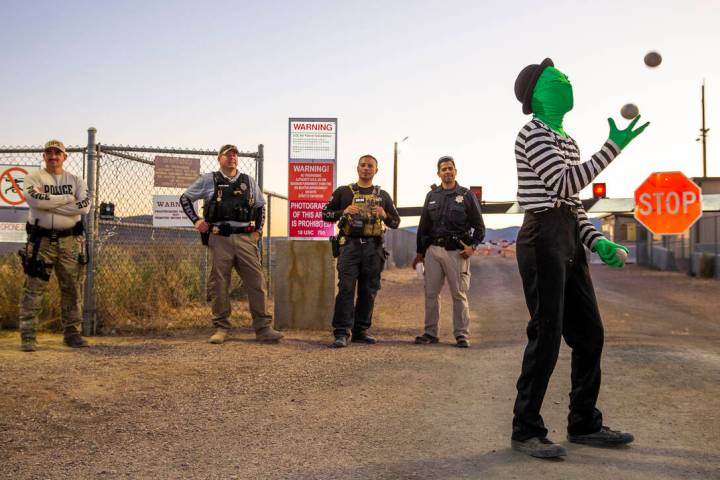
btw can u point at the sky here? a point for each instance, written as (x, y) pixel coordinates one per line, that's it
(200, 74)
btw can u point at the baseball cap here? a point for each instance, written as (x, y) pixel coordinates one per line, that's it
(228, 147)
(55, 144)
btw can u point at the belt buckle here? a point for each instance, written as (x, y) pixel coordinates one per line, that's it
(363, 241)
(53, 238)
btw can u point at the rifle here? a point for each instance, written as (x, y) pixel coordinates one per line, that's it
(32, 265)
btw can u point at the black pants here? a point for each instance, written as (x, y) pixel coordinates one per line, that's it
(359, 265)
(561, 301)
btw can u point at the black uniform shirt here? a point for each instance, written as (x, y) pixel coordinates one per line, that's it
(447, 213)
(342, 198)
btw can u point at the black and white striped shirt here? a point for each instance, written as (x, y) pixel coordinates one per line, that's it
(550, 173)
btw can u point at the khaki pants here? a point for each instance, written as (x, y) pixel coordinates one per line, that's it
(441, 264)
(241, 252)
(64, 259)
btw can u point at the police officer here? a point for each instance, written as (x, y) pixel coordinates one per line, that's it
(233, 217)
(360, 210)
(57, 199)
(451, 228)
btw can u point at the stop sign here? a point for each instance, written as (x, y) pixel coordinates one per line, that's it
(668, 203)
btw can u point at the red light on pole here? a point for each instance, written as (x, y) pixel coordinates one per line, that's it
(599, 190)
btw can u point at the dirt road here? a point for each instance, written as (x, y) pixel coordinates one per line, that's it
(177, 407)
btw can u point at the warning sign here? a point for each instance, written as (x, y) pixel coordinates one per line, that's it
(311, 176)
(310, 181)
(313, 139)
(12, 233)
(176, 172)
(168, 212)
(12, 180)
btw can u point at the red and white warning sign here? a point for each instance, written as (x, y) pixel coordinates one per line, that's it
(12, 181)
(312, 160)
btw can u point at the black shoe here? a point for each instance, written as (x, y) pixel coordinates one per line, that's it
(74, 340)
(462, 342)
(605, 437)
(539, 447)
(362, 337)
(426, 339)
(341, 341)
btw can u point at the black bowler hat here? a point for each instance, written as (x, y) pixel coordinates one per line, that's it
(525, 83)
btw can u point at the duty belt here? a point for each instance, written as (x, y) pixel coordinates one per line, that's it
(51, 233)
(448, 243)
(227, 230)
(363, 240)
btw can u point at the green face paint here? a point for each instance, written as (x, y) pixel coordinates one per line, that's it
(552, 98)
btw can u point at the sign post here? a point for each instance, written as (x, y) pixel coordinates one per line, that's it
(312, 147)
(668, 203)
(305, 271)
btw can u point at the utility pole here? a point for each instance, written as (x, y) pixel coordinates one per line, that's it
(703, 132)
(395, 170)
(395, 199)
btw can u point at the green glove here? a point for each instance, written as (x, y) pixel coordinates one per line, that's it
(623, 137)
(606, 250)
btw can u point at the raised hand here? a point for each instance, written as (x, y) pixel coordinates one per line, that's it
(623, 137)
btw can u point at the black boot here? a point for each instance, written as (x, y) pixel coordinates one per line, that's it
(363, 337)
(28, 343)
(341, 341)
(73, 339)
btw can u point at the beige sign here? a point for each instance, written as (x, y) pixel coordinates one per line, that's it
(176, 172)
(12, 233)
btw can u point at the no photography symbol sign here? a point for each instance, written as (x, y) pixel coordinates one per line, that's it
(12, 178)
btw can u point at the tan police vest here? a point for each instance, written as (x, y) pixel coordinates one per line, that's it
(364, 224)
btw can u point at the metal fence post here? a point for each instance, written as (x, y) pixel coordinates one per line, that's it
(259, 166)
(691, 250)
(90, 224)
(269, 230)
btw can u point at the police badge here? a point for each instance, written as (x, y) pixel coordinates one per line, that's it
(459, 199)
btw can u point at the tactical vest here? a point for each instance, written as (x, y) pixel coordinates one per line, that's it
(364, 224)
(231, 201)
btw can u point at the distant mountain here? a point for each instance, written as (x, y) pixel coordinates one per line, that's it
(507, 233)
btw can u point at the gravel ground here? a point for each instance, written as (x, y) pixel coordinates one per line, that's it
(177, 407)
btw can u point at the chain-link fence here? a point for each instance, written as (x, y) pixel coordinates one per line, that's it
(150, 277)
(141, 276)
(696, 251)
(276, 226)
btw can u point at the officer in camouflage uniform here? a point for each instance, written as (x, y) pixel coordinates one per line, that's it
(57, 199)
(360, 210)
(234, 214)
